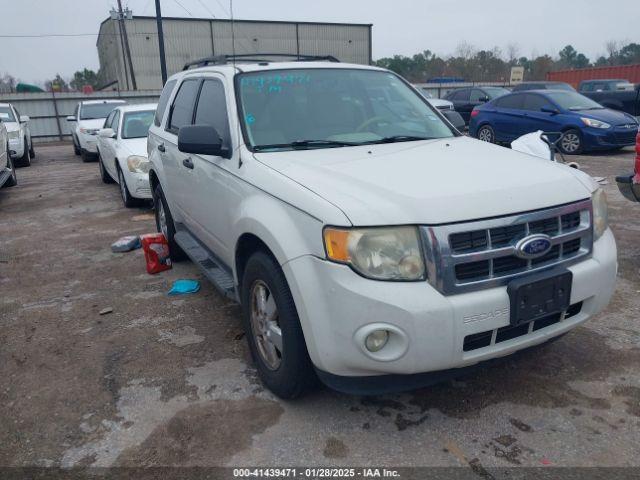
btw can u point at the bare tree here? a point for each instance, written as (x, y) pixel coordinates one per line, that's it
(513, 53)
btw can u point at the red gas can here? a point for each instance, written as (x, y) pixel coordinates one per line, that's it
(156, 252)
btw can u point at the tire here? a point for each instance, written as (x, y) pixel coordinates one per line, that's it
(169, 228)
(13, 180)
(571, 142)
(286, 369)
(76, 147)
(32, 152)
(486, 134)
(25, 159)
(127, 199)
(104, 175)
(86, 156)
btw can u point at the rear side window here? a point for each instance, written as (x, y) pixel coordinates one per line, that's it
(535, 103)
(163, 101)
(477, 94)
(510, 101)
(181, 112)
(212, 109)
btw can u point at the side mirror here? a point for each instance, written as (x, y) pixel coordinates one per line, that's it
(24, 118)
(552, 111)
(106, 133)
(455, 119)
(71, 118)
(201, 139)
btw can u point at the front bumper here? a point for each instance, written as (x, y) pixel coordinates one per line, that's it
(336, 306)
(138, 184)
(628, 188)
(615, 137)
(17, 145)
(88, 143)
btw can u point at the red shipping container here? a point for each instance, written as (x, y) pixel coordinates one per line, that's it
(574, 77)
(156, 252)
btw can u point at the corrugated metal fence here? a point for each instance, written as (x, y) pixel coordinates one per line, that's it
(48, 111)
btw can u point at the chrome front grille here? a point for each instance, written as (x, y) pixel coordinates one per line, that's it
(471, 256)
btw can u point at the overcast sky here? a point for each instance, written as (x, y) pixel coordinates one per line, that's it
(399, 26)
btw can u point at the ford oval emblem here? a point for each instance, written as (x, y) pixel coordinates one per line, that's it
(533, 246)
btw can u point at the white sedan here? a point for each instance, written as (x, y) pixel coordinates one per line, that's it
(19, 134)
(122, 151)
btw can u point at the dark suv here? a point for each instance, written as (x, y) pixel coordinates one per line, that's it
(466, 99)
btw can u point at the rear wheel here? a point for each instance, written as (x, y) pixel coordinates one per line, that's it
(273, 328)
(486, 134)
(571, 142)
(165, 225)
(13, 180)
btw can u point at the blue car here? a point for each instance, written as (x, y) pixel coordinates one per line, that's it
(586, 124)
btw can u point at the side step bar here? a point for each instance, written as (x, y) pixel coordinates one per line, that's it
(210, 265)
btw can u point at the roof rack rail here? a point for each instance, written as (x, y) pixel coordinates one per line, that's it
(256, 57)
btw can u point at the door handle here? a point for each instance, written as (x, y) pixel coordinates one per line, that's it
(187, 162)
(161, 147)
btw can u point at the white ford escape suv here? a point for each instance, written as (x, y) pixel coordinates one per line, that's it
(370, 244)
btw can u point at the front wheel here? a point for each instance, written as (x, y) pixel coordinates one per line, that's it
(104, 175)
(273, 328)
(127, 199)
(76, 147)
(571, 142)
(486, 134)
(25, 159)
(165, 225)
(13, 180)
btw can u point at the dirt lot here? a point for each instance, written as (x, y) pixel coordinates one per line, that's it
(168, 381)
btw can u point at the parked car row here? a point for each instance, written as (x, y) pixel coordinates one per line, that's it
(19, 134)
(115, 134)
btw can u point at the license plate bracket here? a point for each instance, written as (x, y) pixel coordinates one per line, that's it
(540, 295)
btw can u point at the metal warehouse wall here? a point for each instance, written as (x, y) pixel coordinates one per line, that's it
(574, 77)
(48, 112)
(190, 39)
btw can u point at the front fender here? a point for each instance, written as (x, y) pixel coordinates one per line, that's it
(287, 231)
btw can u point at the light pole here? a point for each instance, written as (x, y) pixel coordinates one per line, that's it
(163, 61)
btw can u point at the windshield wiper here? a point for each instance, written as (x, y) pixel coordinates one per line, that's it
(304, 144)
(398, 138)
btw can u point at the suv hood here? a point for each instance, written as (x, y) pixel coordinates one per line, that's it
(430, 182)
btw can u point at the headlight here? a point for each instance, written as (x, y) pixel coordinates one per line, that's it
(382, 253)
(13, 135)
(138, 164)
(600, 213)
(89, 131)
(590, 122)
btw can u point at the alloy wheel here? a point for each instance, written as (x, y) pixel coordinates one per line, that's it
(570, 142)
(485, 134)
(265, 326)
(162, 219)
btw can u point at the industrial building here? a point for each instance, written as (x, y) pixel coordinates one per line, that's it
(188, 39)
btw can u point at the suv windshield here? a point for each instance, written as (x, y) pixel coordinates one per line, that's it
(324, 108)
(573, 101)
(97, 110)
(136, 124)
(6, 115)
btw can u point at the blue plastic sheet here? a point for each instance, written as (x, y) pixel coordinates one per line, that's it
(182, 287)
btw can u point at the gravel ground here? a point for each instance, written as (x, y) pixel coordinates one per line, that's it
(168, 381)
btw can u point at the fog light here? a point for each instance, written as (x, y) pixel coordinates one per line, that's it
(376, 340)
